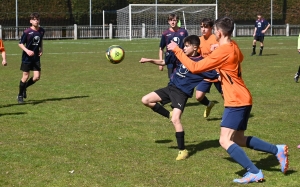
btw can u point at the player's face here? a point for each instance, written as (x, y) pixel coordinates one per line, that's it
(217, 33)
(35, 22)
(206, 30)
(259, 17)
(189, 49)
(173, 22)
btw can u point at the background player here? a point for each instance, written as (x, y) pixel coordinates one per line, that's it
(260, 28)
(179, 89)
(176, 34)
(227, 59)
(297, 74)
(3, 53)
(206, 41)
(33, 39)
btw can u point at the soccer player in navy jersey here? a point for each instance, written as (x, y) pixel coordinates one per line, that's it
(261, 26)
(180, 88)
(32, 45)
(176, 34)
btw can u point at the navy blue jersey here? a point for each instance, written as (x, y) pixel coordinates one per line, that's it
(166, 38)
(186, 81)
(260, 25)
(32, 40)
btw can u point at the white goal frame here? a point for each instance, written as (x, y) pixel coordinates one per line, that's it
(177, 8)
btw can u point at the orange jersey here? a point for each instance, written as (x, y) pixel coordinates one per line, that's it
(205, 44)
(226, 59)
(1, 46)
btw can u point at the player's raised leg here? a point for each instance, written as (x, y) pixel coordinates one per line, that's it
(151, 100)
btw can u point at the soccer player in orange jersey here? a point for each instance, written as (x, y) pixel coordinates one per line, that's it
(2, 50)
(206, 41)
(227, 59)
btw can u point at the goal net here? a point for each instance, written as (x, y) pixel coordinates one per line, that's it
(150, 20)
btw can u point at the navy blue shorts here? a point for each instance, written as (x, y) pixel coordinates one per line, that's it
(32, 66)
(174, 95)
(204, 86)
(236, 117)
(259, 38)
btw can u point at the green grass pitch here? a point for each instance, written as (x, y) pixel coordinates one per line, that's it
(83, 123)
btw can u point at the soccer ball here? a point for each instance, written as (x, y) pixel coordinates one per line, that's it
(115, 54)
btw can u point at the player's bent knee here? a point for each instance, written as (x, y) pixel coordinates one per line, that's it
(145, 100)
(35, 79)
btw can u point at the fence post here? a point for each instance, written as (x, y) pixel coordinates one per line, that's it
(0, 32)
(110, 31)
(143, 30)
(234, 31)
(75, 32)
(287, 29)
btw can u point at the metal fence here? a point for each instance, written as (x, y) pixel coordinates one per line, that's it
(138, 31)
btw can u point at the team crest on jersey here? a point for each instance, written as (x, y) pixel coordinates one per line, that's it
(182, 71)
(177, 40)
(181, 33)
(36, 40)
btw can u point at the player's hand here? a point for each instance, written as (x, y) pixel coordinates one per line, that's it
(253, 35)
(213, 47)
(263, 31)
(161, 68)
(144, 60)
(4, 63)
(30, 53)
(172, 45)
(40, 53)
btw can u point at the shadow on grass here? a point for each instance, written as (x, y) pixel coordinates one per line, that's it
(12, 114)
(35, 102)
(194, 148)
(269, 163)
(198, 103)
(163, 141)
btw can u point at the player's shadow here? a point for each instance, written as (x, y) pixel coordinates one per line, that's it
(12, 113)
(163, 141)
(35, 102)
(198, 103)
(269, 54)
(194, 148)
(270, 163)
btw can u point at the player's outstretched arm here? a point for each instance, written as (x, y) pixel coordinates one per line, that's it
(153, 61)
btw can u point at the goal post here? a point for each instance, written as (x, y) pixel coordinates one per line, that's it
(150, 20)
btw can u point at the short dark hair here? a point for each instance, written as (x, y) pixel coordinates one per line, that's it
(34, 15)
(207, 22)
(172, 16)
(192, 39)
(226, 24)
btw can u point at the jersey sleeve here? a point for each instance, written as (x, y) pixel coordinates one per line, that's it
(1, 46)
(23, 39)
(162, 43)
(210, 74)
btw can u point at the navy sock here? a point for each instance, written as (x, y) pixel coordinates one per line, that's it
(239, 155)
(204, 101)
(260, 145)
(261, 49)
(30, 82)
(180, 140)
(161, 110)
(22, 86)
(299, 70)
(253, 47)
